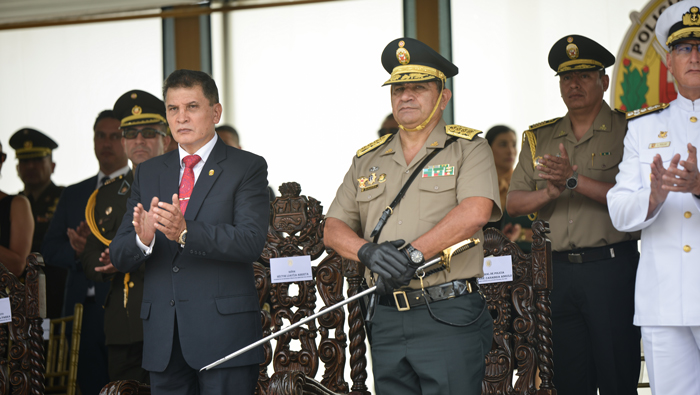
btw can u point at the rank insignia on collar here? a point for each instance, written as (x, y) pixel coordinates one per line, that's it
(663, 135)
(389, 151)
(434, 144)
(562, 133)
(603, 127)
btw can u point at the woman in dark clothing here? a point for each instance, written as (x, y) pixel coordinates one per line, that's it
(16, 229)
(503, 142)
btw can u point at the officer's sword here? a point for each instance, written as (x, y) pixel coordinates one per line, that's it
(445, 257)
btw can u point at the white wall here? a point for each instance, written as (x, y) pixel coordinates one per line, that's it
(501, 49)
(57, 79)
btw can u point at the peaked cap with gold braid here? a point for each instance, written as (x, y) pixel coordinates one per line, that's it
(409, 60)
(678, 22)
(30, 144)
(576, 53)
(137, 107)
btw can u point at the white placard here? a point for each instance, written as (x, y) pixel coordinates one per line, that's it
(5, 311)
(46, 325)
(290, 269)
(497, 269)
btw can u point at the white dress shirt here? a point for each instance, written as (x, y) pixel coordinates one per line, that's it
(203, 153)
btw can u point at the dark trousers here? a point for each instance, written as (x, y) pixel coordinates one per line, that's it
(181, 379)
(413, 354)
(125, 363)
(595, 344)
(92, 356)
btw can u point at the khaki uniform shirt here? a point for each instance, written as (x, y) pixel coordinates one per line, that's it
(463, 169)
(575, 220)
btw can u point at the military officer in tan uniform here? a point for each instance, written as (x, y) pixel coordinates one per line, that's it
(453, 195)
(566, 167)
(145, 133)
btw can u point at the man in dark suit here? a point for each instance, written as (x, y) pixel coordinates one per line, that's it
(65, 241)
(200, 302)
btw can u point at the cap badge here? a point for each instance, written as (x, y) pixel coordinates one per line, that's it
(402, 54)
(28, 144)
(570, 40)
(136, 110)
(134, 95)
(572, 51)
(692, 17)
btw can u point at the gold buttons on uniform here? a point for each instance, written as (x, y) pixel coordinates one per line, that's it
(688, 214)
(131, 284)
(693, 119)
(686, 248)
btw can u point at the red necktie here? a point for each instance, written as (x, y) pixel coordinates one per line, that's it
(187, 182)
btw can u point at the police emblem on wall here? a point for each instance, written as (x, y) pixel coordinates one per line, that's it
(641, 78)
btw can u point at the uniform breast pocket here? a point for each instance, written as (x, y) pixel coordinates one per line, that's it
(646, 157)
(437, 197)
(371, 202)
(107, 224)
(603, 166)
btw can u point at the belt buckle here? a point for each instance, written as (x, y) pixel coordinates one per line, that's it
(576, 258)
(405, 298)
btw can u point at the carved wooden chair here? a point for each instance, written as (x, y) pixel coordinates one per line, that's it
(296, 228)
(522, 331)
(21, 341)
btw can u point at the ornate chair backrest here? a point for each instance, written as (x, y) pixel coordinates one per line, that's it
(21, 341)
(522, 330)
(296, 229)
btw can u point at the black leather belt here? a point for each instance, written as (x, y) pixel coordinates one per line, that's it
(584, 255)
(405, 299)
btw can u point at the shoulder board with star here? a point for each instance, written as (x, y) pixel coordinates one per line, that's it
(374, 144)
(543, 123)
(645, 111)
(461, 132)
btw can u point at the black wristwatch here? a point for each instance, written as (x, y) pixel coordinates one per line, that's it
(572, 182)
(415, 256)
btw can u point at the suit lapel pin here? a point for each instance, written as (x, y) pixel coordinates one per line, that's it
(211, 172)
(662, 135)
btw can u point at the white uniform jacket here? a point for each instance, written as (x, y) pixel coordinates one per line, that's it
(667, 291)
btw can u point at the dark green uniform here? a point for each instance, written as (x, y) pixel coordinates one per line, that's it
(43, 209)
(123, 325)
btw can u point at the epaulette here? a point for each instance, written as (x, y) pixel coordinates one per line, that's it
(112, 180)
(374, 144)
(645, 111)
(461, 132)
(543, 123)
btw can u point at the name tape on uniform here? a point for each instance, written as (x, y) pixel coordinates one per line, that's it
(497, 269)
(290, 269)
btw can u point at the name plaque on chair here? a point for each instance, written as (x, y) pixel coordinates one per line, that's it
(290, 269)
(497, 269)
(5, 310)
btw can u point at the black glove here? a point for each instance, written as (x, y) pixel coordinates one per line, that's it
(384, 259)
(384, 287)
(407, 275)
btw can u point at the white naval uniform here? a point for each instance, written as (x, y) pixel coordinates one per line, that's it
(667, 293)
